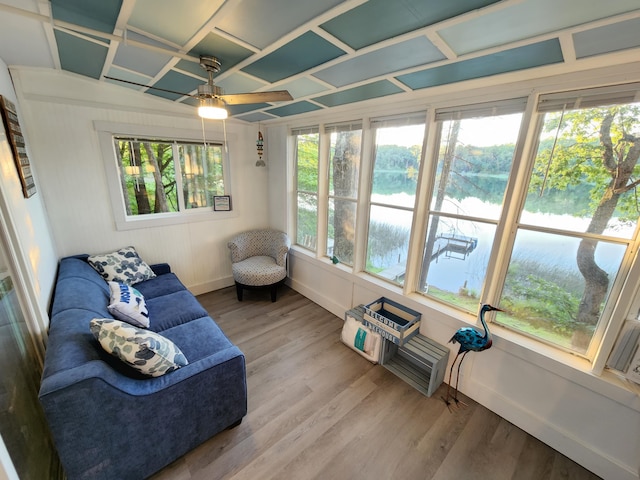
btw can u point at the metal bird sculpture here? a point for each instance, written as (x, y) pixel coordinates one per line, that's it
(470, 340)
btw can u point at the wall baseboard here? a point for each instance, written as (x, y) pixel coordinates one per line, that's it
(559, 439)
(211, 286)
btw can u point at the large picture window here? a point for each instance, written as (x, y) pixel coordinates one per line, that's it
(307, 143)
(398, 149)
(579, 220)
(474, 159)
(164, 176)
(344, 168)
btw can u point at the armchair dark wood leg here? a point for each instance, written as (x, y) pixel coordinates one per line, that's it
(239, 291)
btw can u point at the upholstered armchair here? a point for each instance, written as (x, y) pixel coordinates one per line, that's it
(259, 260)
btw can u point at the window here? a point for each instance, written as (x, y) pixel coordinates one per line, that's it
(474, 160)
(344, 168)
(398, 150)
(153, 182)
(574, 240)
(306, 152)
(535, 212)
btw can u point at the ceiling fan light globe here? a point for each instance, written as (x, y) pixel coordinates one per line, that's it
(212, 108)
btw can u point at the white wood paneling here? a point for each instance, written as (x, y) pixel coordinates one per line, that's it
(66, 150)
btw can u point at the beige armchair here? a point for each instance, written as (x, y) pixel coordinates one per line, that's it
(259, 260)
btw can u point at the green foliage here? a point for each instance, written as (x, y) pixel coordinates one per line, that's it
(307, 162)
(546, 297)
(580, 159)
(395, 169)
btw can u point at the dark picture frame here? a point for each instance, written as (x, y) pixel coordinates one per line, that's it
(16, 140)
(222, 203)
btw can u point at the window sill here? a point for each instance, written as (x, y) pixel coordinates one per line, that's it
(166, 219)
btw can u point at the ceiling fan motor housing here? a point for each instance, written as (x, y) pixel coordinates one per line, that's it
(209, 91)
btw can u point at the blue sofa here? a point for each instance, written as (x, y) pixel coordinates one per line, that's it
(107, 420)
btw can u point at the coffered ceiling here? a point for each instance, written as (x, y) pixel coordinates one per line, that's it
(325, 52)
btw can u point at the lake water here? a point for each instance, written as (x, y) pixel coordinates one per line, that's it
(455, 271)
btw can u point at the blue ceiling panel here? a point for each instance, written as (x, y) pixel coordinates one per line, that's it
(529, 56)
(239, 83)
(256, 117)
(378, 89)
(261, 23)
(229, 53)
(306, 51)
(101, 16)
(177, 82)
(610, 38)
(139, 59)
(80, 56)
(129, 76)
(303, 87)
(239, 109)
(294, 109)
(538, 17)
(174, 21)
(378, 20)
(414, 52)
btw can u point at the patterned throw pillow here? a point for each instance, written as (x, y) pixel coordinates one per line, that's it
(127, 304)
(148, 352)
(124, 266)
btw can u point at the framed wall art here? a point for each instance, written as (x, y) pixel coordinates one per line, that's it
(16, 140)
(222, 203)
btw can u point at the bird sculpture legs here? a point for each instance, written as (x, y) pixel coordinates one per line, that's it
(448, 398)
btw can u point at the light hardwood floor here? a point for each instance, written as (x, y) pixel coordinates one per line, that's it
(318, 410)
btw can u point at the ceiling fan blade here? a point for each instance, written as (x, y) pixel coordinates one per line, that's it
(149, 86)
(256, 97)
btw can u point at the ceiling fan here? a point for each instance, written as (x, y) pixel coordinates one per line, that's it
(211, 100)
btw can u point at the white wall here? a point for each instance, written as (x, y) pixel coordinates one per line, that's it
(60, 110)
(26, 221)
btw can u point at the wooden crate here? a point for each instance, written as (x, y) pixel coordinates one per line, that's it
(421, 362)
(394, 322)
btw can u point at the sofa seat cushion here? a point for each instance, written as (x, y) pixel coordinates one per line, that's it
(160, 285)
(173, 309)
(210, 339)
(258, 271)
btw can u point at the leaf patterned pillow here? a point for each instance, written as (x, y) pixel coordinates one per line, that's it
(148, 352)
(123, 266)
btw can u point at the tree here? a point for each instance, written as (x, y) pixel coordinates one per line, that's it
(160, 204)
(447, 162)
(345, 165)
(600, 146)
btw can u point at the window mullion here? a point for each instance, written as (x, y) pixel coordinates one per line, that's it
(514, 200)
(323, 192)
(178, 176)
(364, 194)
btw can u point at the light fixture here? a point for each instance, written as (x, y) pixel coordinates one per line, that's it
(212, 108)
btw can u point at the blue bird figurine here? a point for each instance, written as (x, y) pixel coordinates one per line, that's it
(470, 340)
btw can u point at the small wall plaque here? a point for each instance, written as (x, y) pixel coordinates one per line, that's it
(222, 203)
(16, 140)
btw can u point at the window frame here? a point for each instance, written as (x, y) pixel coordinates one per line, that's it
(108, 131)
(295, 133)
(626, 292)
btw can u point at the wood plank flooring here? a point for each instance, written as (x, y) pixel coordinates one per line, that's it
(318, 410)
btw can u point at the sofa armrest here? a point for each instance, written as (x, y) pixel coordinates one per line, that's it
(160, 268)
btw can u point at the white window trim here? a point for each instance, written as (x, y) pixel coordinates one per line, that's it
(107, 130)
